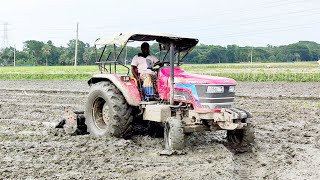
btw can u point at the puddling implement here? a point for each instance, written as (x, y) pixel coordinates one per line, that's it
(73, 123)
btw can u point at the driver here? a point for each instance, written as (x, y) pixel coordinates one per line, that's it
(143, 64)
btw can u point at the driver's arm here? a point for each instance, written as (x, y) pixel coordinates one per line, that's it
(134, 70)
(157, 62)
(134, 67)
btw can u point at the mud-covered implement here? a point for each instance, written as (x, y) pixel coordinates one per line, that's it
(184, 102)
(73, 123)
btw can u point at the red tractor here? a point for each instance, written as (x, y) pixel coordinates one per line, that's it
(187, 102)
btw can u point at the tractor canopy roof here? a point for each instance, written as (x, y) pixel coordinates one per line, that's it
(181, 43)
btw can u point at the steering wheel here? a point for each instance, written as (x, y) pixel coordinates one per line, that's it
(168, 63)
(155, 70)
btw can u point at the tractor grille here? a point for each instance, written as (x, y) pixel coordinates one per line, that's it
(215, 100)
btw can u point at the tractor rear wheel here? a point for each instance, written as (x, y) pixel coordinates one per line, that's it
(107, 111)
(173, 134)
(241, 139)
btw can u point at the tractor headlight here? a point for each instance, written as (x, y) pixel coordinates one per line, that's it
(215, 89)
(232, 89)
(182, 95)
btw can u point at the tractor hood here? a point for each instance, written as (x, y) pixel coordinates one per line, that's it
(203, 79)
(182, 77)
(192, 88)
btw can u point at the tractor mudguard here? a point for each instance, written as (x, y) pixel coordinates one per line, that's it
(127, 88)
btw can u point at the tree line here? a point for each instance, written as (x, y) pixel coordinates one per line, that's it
(37, 53)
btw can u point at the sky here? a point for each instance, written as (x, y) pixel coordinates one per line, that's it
(213, 22)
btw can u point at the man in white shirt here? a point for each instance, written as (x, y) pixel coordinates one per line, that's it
(143, 64)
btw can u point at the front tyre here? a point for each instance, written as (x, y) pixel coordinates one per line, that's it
(173, 134)
(241, 139)
(107, 111)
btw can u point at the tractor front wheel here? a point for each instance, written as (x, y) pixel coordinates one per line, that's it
(173, 134)
(107, 111)
(241, 139)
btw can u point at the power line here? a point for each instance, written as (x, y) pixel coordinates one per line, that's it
(273, 4)
(175, 19)
(264, 5)
(294, 27)
(256, 22)
(248, 48)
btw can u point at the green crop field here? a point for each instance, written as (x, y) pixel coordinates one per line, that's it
(256, 72)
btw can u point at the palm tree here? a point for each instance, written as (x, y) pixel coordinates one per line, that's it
(46, 50)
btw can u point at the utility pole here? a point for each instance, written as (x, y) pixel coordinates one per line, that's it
(14, 56)
(5, 35)
(251, 54)
(125, 58)
(76, 48)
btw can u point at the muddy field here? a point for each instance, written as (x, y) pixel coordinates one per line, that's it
(286, 119)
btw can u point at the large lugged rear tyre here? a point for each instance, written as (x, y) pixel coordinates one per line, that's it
(173, 134)
(107, 111)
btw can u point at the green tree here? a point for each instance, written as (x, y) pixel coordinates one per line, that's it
(300, 48)
(71, 50)
(55, 52)
(46, 51)
(6, 56)
(65, 59)
(34, 49)
(232, 53)
(216, 54)
(39, 53)
(89, 56)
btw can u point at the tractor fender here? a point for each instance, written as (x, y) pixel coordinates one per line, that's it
(128, 89)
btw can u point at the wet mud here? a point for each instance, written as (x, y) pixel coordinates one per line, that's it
(286, 120)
